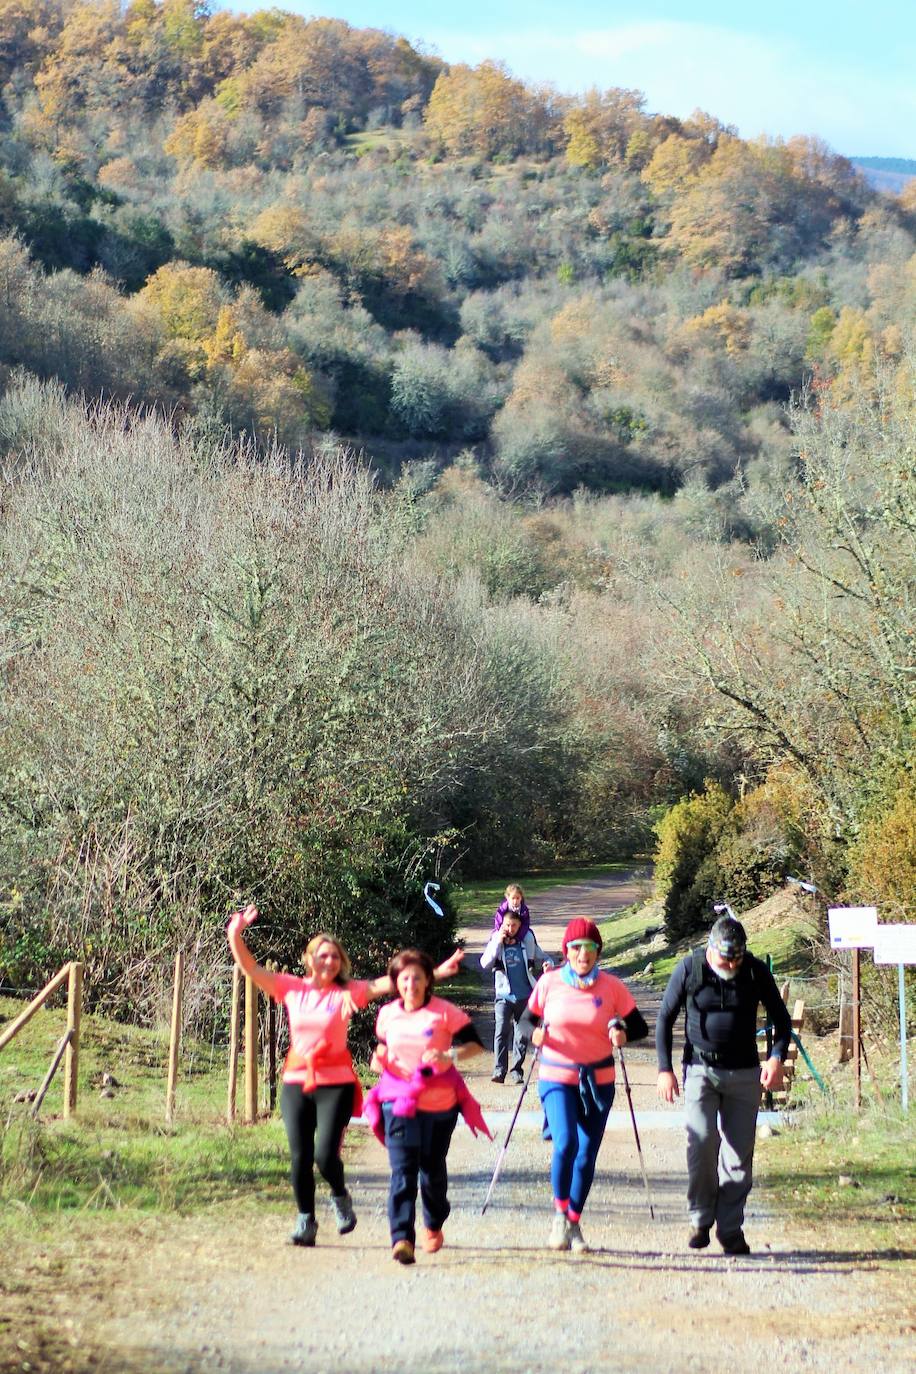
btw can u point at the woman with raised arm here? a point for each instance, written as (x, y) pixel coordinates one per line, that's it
(320, 1089)
(581, 1016)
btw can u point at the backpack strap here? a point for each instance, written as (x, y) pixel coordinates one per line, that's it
(695, 976)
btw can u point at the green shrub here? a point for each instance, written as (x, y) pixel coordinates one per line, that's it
(687, 836)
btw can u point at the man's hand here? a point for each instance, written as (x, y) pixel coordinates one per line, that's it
(771, 1075)
(538, 1035)
(668, 1089)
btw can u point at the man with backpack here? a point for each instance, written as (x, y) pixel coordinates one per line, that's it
(720, 988)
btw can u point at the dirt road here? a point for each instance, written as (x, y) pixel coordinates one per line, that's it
(226, 1294)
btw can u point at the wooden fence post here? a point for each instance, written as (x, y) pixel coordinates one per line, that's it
(234, 1041)
(72, 1055)
(271, 1048)
(175, 1037)
(251, 1050)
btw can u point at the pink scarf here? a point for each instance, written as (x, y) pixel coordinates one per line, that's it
(403, 1094)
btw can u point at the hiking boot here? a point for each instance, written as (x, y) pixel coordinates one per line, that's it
(576, 1239)
(345, 1217)
(306, 1229)
(516, 1077)
(698, 1238)
(402, 1251)
(559, 1232)
(734, 1245)
(433, 1241)
(498, 1077)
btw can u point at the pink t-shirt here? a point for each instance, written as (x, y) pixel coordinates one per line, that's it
(314, 1015)
(576, 1020)
(409, 1033)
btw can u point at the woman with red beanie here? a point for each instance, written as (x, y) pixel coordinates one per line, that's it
(581, 1015)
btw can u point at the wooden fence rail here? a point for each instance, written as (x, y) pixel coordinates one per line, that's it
(72, 975)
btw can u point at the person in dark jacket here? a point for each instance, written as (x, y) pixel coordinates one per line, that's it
(720, 989)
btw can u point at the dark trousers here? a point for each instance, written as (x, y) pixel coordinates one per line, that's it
(417, 1150)
(507, 1015)
(315, 1123)
(576, 1138)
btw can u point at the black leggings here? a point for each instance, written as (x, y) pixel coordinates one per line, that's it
(315, 1123)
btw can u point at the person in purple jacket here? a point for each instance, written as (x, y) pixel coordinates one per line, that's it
(513, 904)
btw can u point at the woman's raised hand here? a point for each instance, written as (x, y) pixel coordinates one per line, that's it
(245, 917)
(450, 966)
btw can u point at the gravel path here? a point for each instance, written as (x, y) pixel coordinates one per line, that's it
(224, 1293)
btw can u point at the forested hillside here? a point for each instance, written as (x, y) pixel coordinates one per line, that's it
(406, 466)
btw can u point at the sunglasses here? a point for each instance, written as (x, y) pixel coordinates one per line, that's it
(582, 944)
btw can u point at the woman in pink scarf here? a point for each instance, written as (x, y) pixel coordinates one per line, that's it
(421, 1039)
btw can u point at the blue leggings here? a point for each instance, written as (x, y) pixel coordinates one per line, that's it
(576, 1138)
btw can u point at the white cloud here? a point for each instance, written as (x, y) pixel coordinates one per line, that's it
(761, 85)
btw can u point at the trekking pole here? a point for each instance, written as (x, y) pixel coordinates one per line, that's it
(642, 1163)
(502, 1153)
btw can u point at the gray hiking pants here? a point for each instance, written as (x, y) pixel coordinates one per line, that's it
(507, 1016)
(720, 1110)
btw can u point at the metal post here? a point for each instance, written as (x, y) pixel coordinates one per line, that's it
(857, 1026)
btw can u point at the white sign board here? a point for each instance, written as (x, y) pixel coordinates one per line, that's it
(895, 945)
(852, 927)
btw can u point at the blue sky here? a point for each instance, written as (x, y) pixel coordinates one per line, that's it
(845, 71)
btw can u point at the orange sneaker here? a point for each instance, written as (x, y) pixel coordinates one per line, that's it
(402, 1251)
(433, 1241)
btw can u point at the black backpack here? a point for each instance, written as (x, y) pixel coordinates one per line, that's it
(695, 976)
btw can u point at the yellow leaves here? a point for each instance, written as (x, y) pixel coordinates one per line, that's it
(674, 164)
(584, 146)
(884, 858)
(852, 340)
(285, 230)
(187, 299)
(277, 392)
(720, 326)
(199, 137)
(120, 174)
(574, 321)
(404, 265)
(606, 128)
(227, 343)
(484, 110)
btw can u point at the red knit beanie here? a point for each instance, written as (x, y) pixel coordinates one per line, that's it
(581, 929)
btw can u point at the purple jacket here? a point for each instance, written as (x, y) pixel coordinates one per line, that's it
(523, 913)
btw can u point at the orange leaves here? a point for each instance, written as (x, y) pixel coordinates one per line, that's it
(484, 111)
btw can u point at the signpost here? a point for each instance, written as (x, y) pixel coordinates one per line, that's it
(896, 944)
(854, 927)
